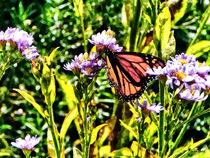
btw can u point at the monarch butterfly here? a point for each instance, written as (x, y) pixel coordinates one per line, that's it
(127, 72)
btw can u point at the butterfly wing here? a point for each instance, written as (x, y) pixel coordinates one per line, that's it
(127, 72)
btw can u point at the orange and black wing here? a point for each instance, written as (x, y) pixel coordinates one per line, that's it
(127, 72)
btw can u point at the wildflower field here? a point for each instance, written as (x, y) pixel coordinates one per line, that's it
(100, 79)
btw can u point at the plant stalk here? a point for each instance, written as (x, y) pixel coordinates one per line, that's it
(85, 128)
(83, 31)
(161, 121)
(203, 21)
(52, 128)
(134, 26)
(183, 130)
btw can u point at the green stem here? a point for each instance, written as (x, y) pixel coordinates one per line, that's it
(135, 23)
(203, 21)
(161, 121)
(85, 129)
(140, 132)
(183, 130)
(83, 31)
(52, 128)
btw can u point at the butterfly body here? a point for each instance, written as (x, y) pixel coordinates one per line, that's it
(127, 72)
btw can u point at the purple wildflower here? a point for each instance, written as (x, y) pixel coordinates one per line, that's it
(28, 143)
(20, 39)
(105, 39)
(152, 108)
(89, 65)
(187, 75)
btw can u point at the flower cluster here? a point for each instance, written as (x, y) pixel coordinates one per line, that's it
(152, 108)
(28, 143)
(105, 39)
(186, 74)
(88, 64)
(20, 39)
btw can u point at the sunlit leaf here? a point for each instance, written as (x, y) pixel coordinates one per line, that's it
(95, 133)
(67, 121)
(170, 48)
(105, 150)
(77, 153)
(126, 13)
(50, 144)
(208, 60)
(53, 54)
(181, 12)
(140, 151)
(30, 99)
(149, 49)
(204, 154)
(78, 5)
(162, 29)
(52, 90)
(130, 129)
(199, 48)
(93, 49)
(67, 89)
(123, 152)
(183, 150)
(108, 129)
(4, 153)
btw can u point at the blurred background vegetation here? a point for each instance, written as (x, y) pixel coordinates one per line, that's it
(54, 23)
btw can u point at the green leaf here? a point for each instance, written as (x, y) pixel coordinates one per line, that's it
(77, 153)
(50, 144)
(129, 129)
(105, 150)
(126, 13)
(199, 48)
(162, 29)
(67, 121)
(95, 133)
(52, 89)
(30, 99)
(181, 12)
(122, 152)
(78, 5)
(53, 54)
(108, 129)
(142, 151)
(149, 49)
(184, 150)
(208, 60)
(4, 153)
(67, 89)
(170, 49)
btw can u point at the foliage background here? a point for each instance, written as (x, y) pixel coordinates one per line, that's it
(54, 23)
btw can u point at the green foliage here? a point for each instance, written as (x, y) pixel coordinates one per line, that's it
(150, 27)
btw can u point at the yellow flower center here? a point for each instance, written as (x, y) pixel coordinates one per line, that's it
(180, 76)
(183, 61)
(110, 33)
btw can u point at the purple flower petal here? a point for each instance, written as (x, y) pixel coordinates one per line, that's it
(28, 143)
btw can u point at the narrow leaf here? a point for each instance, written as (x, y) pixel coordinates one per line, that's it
(77, 153)
(30, 99)
(67, 121)
(50, 144)
(199, 48)
(181, 12)
(123, 152)
(95, 133)
(53, 54)
(129, 129)
(162, 29)
(67, 89)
